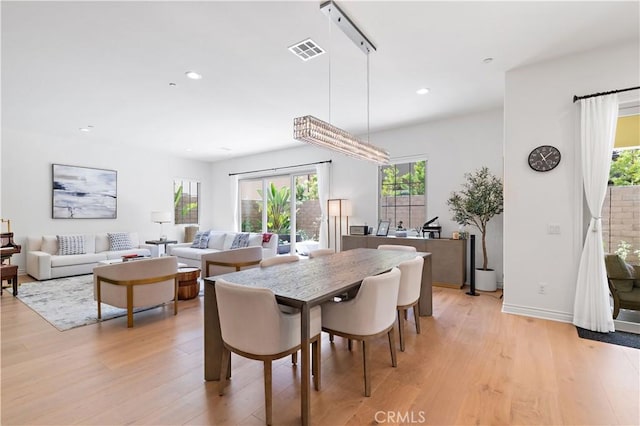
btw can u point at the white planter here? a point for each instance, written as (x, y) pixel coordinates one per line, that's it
(486, 280)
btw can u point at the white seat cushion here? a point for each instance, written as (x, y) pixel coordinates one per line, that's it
(76, 259)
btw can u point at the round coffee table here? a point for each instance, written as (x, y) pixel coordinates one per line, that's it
(188, 285)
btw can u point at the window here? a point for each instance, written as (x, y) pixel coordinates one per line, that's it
(402, 194)
(186, 195)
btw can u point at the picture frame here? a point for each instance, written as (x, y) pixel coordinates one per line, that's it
(383, 228)
(83, 192)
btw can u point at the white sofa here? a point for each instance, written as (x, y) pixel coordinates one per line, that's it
(220, 241)
(44, 261)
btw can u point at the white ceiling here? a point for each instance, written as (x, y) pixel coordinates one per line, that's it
(67, 65)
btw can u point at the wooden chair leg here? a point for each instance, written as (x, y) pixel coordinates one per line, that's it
(401, 321)
(392, 346)
(267, 391)
(315, 362)
(416, 316)
(224, 365)
(331, 337)
(366, 360)
(349, 344)
(294, 358)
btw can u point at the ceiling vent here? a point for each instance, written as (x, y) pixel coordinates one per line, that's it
(306, 49)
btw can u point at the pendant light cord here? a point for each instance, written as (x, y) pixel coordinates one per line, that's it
(368, 103)
(330, 51)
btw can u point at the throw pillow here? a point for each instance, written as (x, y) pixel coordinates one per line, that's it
(119, 241)
(70, 244)
(201, 240)
(266, 237)
(241, 240)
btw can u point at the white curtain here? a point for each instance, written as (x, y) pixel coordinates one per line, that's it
(323, 172)
(598, 121)
(233, 180)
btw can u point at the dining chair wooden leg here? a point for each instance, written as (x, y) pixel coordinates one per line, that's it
(224, 365)
(349, 344)
(401, 321)
(331, 337)
(366, 360)
(315, 362)
(392, 346)
(416, 316)
(267, 391)
(294, 358)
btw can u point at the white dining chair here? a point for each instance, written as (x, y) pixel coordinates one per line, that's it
(254, 327)
(409, 294)
(277, 260)
(371, 313)
(396, 247)
(320, 252)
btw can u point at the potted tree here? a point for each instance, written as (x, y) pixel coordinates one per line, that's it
(480, 199)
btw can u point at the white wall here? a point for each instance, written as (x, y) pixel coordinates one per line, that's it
(452, 147)
(539, 111)
(145, 183)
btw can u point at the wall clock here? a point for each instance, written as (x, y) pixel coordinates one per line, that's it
(544, 158)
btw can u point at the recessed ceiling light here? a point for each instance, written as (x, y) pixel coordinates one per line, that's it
(422, 91)
(86, 129)
(487, 60)
(224, 148)
(188, 149)
(172, 84)
(193, 75)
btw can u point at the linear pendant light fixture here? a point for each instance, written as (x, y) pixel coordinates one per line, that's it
(320, 133)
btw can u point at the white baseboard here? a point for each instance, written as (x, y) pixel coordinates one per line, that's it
(528, 311)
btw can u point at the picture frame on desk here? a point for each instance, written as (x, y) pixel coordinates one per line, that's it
(383, 228)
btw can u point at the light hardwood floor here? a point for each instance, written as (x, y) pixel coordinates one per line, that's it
(472, 364)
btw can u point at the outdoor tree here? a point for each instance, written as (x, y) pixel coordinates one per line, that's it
(625, 167)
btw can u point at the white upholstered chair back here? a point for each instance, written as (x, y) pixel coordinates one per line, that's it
(277, 260)
(410, 281)
(320, 252)
(396, 247)
(232, 260)
(371, 311)
(251, 321)
(143, 295)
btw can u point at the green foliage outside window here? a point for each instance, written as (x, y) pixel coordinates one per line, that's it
(410, 183)
(625, 167)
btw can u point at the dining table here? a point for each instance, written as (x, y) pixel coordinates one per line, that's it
(303, 285)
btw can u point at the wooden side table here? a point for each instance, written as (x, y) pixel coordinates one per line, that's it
(10, 273)
(188, 285)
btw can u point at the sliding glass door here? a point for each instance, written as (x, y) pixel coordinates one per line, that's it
(286, 205)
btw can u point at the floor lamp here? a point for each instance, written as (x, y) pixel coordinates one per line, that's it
(337, 208)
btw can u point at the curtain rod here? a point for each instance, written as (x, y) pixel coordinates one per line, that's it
(280, 168)
(593, 95)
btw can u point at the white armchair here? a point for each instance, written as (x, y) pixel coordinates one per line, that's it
(371, 313)
(253, 326)
(409, 294)
(136, 284)
(223, 262)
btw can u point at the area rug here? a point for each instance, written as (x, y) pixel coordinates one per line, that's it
(616, 338)
(67, 303)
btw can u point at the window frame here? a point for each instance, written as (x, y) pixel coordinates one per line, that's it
(402, 161)
(181, 219)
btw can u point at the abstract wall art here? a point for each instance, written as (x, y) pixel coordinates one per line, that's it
(84, 193)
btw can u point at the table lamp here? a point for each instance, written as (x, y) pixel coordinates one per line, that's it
(161, 217)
